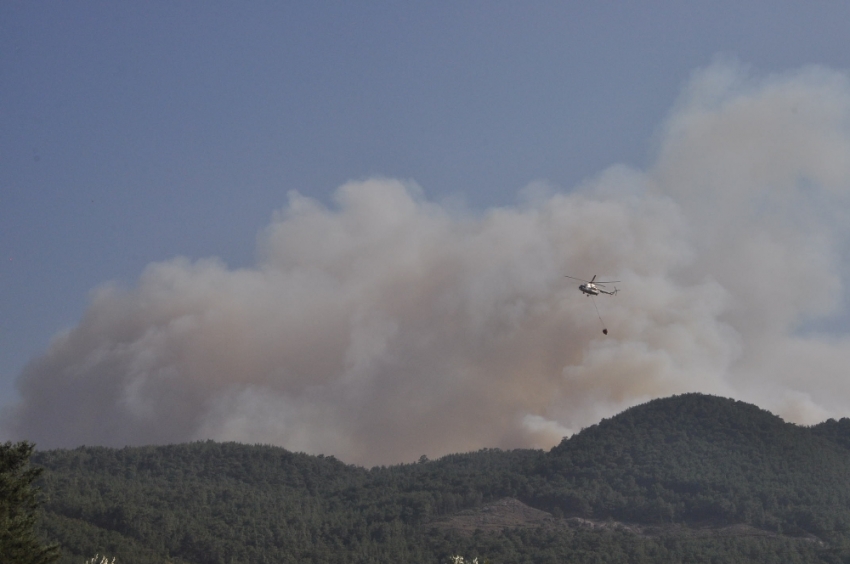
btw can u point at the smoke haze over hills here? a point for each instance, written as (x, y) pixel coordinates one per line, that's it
(389, 326)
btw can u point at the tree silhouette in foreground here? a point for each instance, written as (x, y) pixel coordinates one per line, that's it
(18, 508)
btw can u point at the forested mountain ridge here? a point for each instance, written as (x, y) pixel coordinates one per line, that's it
(689, 460)
(694, 458)
(835, 431)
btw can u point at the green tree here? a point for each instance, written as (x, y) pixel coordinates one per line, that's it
(18, 508)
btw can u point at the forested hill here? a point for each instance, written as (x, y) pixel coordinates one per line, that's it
(696, 458)
(676, 472)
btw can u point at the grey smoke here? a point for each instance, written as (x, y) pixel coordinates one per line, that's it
(388, 326)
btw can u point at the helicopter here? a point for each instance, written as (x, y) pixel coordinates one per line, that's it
(592, 288)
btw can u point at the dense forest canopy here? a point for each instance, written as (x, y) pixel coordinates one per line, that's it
(661, 482)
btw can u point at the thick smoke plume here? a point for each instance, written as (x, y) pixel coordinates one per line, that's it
(389, 326)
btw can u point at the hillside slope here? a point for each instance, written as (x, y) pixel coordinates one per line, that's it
(685, 463)
(696, 458)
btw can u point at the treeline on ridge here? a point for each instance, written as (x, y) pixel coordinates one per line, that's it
(692, 460)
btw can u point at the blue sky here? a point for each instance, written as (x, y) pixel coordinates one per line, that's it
(132, 133)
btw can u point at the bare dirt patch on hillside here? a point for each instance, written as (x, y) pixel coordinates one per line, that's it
(509, 513)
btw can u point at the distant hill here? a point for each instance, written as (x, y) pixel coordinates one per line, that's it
(696, 458)
(691, 478)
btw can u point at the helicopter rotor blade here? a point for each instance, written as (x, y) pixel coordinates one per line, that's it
(592, 281)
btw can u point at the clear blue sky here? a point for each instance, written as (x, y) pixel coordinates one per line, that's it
(133, 132)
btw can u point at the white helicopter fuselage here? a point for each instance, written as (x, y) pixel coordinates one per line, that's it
(589, 289)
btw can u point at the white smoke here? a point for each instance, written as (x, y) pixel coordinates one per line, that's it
(389, 326)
